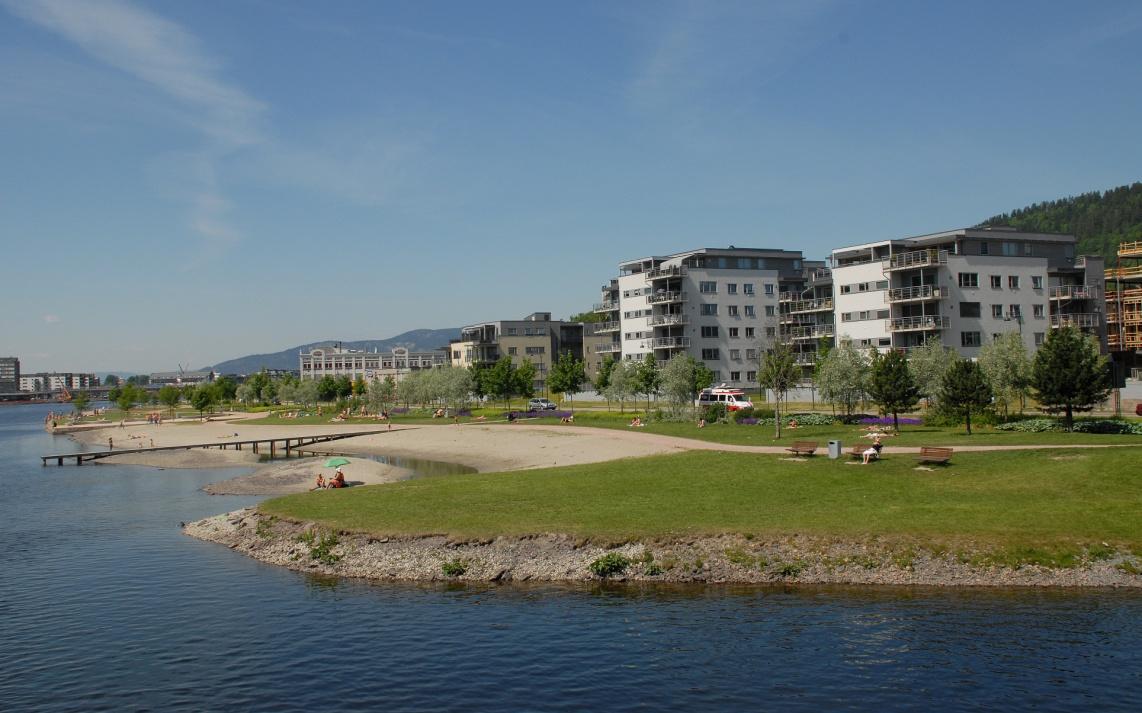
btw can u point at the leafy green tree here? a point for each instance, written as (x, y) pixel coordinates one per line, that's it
(1069, 374)
(226, 388)
(80, 401)
(681, 380)
(170, 396)
(259, 387)
(891, 386)
(588, 317)
(306, 392)
(327, 388)
(359, 387)
(500, 380)
(603, 376)
(843, 376)
(111, 380)
(202, 398)
(929, 363)
(965, 390)
(113, 393)
(524, 381)
(344, 386)
(622, 383)
(647, 378)
(478, 388)
(139, 379)
(456, 385)
(567, 376)
(779, 373)
(382, 393)
(129, 395)
(1008, 369)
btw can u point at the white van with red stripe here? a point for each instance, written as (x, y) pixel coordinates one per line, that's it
(733, 399)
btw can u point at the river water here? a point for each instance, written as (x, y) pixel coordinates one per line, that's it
(105, 605)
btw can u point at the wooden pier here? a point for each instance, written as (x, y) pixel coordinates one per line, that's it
(258, 445)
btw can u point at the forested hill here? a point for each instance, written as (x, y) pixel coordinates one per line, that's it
(1099, 220)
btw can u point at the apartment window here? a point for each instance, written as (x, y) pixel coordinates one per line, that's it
(512, 350)
(1039, 338)
(769, 288)
(882, 284)
(751, 354)
(1037, 311)
(983, 248)
(885, 341)
(1013, 282)
(732, 288)
(769, 311)
(709, 331)
(732, 310)
(733, 332)
(708, 310)
(750, 332)
(735, 376)
(751, 376)
(996, 282)
(532, 351)
(708, 288)
(750, 311)
(735, 354)
(1010, 249)
(771, 332)
(511, 331)
(969, 309)
(1036, 282)
(969, 279)
(1015, 311)
(969, 339)
(747, 288)
(710, 354)
(997, 311)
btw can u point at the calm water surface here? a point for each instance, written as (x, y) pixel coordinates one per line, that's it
(104, 605)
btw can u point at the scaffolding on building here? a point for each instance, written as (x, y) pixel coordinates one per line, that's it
(1124, 300)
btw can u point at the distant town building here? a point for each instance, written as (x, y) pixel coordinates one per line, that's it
(337, 361)
(57, 381)
(182, 378)
(537, 338)
(9, 375)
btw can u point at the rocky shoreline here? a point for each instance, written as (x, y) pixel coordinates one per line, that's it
(559, 558)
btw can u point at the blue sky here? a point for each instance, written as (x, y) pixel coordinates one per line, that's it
(191, 182)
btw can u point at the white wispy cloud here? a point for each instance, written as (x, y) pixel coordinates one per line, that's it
(51, 319)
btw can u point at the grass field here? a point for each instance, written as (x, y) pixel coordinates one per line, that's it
(1040, 506)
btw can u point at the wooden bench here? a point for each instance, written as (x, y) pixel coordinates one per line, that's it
(802, 448)
(858, 451)
(928, 454)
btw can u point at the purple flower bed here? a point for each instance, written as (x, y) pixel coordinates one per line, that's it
(750, 421)
(398, 409)
(464, 412)
(887, 421)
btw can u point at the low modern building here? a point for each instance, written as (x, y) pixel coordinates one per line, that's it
(336, 361)
(57, 381)
(965, 287)
(719, 305)
(9, 375)
(181, 378)
(537, 338)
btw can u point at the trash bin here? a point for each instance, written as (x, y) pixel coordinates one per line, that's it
(834, 449)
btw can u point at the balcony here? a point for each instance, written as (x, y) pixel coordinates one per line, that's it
(814, 332)
(1080, 320)
(916, 324)
(1131, 249)
(913, 294)
(660, 273)
(821, 274)
(607, 327)
(608, 348)
(805, 358)
(666, 320)
(823, 304)
(916, 259)
(605, 307)
(667, 343)
(1075, 292)
(665, 297)
(1124, 273)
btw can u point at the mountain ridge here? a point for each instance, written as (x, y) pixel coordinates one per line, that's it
(417, 340)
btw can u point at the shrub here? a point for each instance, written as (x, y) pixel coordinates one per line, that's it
(790, 569)
(323, 550)
(714, 413)
(454, 568)
(609, 564)
(744, 413)
(651, 569)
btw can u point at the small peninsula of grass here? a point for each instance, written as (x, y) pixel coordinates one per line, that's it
(1043, 504)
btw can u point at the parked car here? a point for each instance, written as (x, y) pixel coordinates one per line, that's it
(541, 405)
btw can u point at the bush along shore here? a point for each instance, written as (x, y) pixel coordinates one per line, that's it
(732, 558)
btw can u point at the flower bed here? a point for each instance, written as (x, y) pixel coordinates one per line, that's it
(1043, 425)
(887, 421)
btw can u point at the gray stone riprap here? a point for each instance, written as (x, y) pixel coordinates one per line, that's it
(720, 559)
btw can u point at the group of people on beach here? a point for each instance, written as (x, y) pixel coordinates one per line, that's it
(337, 480)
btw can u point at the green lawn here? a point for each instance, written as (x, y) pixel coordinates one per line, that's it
(1003, 501)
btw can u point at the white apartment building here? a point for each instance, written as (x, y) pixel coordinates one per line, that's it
(56, 381)
(719, 305)
(337, 361)
(965, 287)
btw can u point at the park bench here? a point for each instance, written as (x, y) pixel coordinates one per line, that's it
(802, 448)
(929, 454)
(858, 451)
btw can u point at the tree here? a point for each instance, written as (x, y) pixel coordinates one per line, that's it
(344, 386)
(842, 377)
(965, 390)
(1004, 361)
(779, 373)
(202, 398)
(891, 386)
(306, 392)
(603, 376)
(80, 401)
(929, 363)
(170, 396)
(139, 379)
(1069, 374)
(327, 388)
(226, 388)
(359, 387)
(128, 396)
(681, 380)
(524, 380)
(567, 376)
(382, 392)
(499, 380)
(621, 385)
(647, 378)
(588, 317)
(111, 380)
